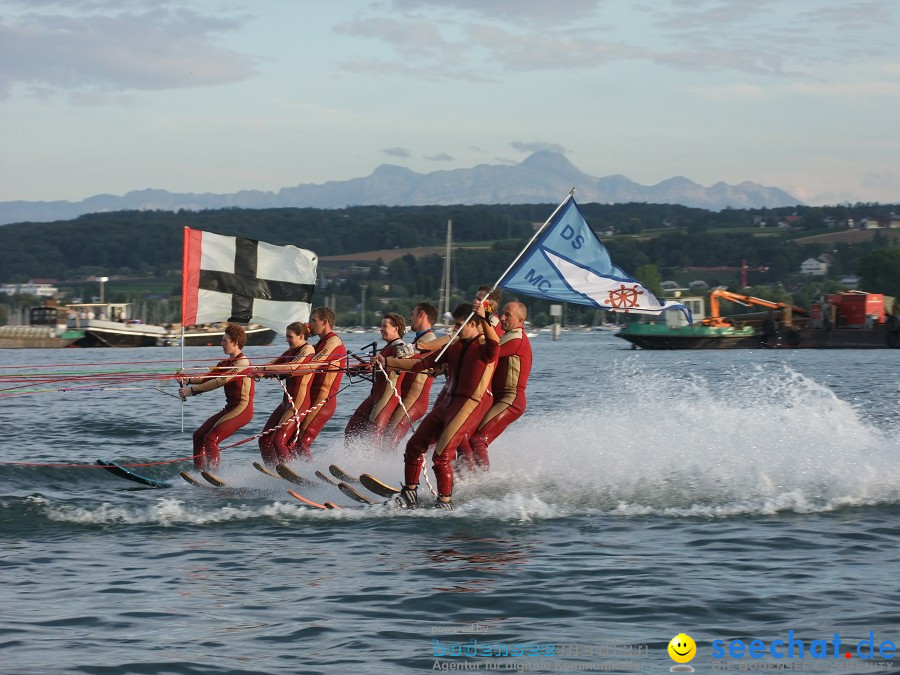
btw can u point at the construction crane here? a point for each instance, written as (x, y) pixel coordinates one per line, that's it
(715, 318)
(743, 269)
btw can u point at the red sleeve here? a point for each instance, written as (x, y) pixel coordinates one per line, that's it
(426, 361)
(510, 347)
(489, 350)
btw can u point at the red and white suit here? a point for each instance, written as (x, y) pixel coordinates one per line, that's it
(469, 365)
(374, 413)
(232, 375)
(329, 357)
(508, 388)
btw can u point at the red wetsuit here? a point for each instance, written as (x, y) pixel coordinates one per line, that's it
(495, 322)
(469, 365)
(330, 356)
(508, 388)
(415, 390)
(231, 375)
(373, 414)
(279, 436)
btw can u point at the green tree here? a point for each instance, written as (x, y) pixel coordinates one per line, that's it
(650, 277)
(879, 271)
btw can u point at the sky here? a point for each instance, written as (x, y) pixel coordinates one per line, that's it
(108, 96)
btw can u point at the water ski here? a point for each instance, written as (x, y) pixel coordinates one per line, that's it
(259, 467)
(288, 474)
(354, 495)
(323, 477)
(381, 489)
(122, 472)
(342, 475)
(310, 502)
(213, 479)
(190, 479)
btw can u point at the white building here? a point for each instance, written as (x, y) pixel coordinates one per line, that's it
(814, 267)
(40, 290)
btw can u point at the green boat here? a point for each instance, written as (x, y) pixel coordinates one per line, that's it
(698, 336)
(848, 320)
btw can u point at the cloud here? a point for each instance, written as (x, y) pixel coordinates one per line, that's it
(854, 16)
(412, 38)
(155, 49)
(476, 41)
(732, 92)
(425, 72)
(423, 52)
(396, 152)
(713, 58)
(440, 157)
(886, 181)
(710, 14)
(769, 37)
(849, 90)
(524, 12)
(535, 146)
(549, 51)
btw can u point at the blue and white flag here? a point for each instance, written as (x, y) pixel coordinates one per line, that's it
(567, 262)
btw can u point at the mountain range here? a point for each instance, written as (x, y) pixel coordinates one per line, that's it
(543, 177)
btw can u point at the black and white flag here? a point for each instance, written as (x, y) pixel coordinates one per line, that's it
(245, 281)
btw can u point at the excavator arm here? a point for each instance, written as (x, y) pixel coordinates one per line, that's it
(715, 317)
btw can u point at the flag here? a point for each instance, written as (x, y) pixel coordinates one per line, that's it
(566, 262)
(245, 281)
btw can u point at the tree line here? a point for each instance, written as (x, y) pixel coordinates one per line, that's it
(660, 240)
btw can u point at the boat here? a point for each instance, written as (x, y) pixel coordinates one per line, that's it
(848, 320)
(211, 335)
(257, 336)
(112, 325)
(47, 329)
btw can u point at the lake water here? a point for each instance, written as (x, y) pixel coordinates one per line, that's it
(740, 495)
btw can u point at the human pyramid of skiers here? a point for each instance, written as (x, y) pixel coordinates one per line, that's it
(486, 367)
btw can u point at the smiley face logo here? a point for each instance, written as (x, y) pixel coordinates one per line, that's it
(682, 648)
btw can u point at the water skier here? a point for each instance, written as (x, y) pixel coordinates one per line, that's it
(278, 440)
(329, 361)
(232, 374)
(507, 386)
(415, 388)
(469, 364)
(374, 413)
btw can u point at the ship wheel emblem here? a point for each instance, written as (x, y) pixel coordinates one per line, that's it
(624, 297)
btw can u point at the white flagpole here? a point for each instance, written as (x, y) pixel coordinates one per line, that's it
(565, 201)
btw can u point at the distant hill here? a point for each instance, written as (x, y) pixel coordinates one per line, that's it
(543, 177)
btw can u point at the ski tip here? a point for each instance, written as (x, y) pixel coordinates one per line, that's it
(342, 475)
(262, 469)
(290, 475)
(306, 501)
(122, 472)
(212, 479)
(380, 488)
(190, 479)
(332, 505)
(354, 495)
(321, 476)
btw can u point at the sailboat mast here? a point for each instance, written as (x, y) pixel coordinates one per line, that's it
(446, 299)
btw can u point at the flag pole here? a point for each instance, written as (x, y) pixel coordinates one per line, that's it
(184, 265)
(543, 227)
